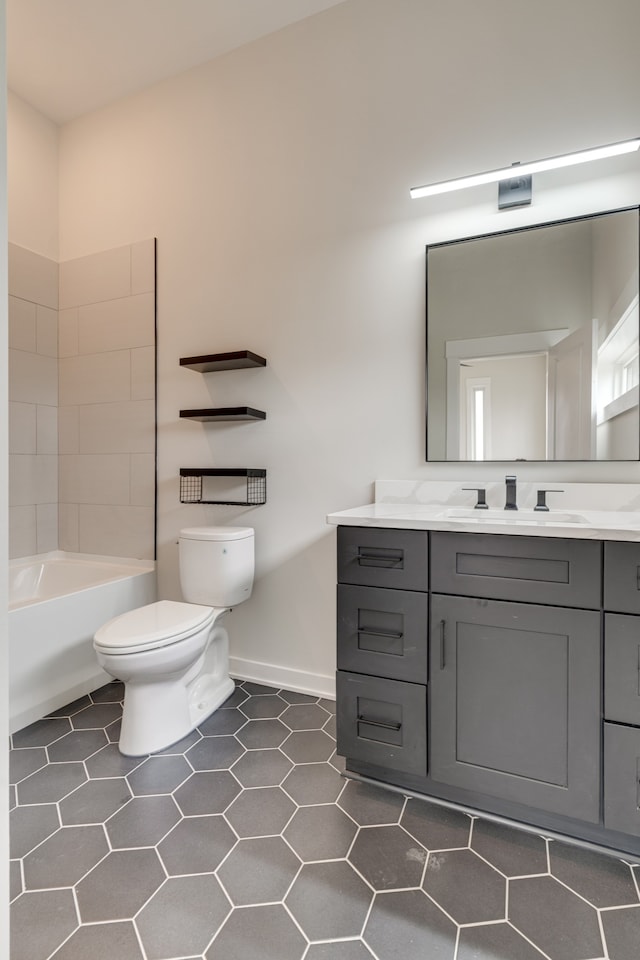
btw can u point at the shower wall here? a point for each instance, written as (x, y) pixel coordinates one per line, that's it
(82, 392)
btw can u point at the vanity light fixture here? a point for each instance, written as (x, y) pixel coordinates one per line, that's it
(515, 181)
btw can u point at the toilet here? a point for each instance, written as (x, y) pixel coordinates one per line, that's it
(173, 657)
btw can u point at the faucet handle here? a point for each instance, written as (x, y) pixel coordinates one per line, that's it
(541, 502)
(481, 503)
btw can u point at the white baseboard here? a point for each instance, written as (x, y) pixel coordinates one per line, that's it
(315, 684)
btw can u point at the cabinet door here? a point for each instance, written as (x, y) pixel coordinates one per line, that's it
(622, 778)
(622, 576)
(383, 632)
(383, 722)
(515, 702)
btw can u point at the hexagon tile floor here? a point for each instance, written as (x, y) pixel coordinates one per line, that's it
(244, 842)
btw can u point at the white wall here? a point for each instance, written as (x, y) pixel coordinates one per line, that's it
(276, 181)
(33, 175)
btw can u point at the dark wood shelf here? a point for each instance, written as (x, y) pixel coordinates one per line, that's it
(213, 362)
(218, 414)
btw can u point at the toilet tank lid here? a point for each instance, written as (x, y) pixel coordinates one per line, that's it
(216, 533)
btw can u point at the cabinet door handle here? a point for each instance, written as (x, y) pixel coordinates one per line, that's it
(371, 560)
(442, 644)
(387, 634)
(380, 723)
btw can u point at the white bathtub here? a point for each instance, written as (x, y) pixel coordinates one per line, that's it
(57, 601)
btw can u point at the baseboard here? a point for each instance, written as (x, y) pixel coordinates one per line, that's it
(315, 684)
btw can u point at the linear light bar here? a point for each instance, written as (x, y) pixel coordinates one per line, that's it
(525, 169)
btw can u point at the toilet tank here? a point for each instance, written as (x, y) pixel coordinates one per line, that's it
(216, 565)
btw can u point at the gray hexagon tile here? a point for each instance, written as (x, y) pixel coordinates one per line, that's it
(407, 924)
(29, 826)
(258, 933)
(369, 805)
(603, 881)
(309, 716)
(97, 715)
(15, 879)
(222, 723)
(339, 950)
(436, 827)
(513, 852)
(494, 940)
(261, 734)
(182, 917)
(262, 768)
(51, 783)
(95, 801)
(553, 918)
(258, 689)
(292, 697)
(236, 699)
(260, 812)
(119, 886)
(111, 693)
(22, 763)
(159, 775)
(207, 792)
(263, 708)
(102, 941)
(329, 900)
(622, 932)
(320, 833)
(467, 888)
(142, 822)
(310, 783)
(109, 762)
(77, 745)
(258, 871)
(65, 857)
(308, 746)
(196, 845)
(214, 753)
(41, 733)
(40, 922)
(70, 708)
(388, 858)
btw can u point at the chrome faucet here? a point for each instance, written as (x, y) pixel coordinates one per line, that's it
(510, 503)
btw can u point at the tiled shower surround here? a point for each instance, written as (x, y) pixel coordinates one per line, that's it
(82, 402)
(245, 842)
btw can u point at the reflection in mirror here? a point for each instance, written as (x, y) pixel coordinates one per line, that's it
(532, 343)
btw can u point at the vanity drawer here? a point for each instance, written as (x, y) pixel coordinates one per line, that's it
(531, 569)
(622, 778)
(383, 722)
(383, 632)
(622, 668)
(377, 557)
(622, 577)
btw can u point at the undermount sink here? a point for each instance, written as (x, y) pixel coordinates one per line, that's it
(511, 516)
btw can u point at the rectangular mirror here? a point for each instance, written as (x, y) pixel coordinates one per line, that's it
(533, 341)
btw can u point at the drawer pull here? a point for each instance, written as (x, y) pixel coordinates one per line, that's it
(380, 723)
(388, 635)
(442, 644)
(371, 560)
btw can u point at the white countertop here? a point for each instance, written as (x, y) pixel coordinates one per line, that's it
(578, 524)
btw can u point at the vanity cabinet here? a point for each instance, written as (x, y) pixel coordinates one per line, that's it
(495, 671)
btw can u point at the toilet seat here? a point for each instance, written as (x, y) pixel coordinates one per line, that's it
(153, 626)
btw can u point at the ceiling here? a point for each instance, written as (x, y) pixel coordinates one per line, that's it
(67, 57)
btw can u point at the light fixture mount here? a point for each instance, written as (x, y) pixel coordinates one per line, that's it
(515, 192)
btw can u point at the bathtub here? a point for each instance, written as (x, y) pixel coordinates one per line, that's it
(57, 601)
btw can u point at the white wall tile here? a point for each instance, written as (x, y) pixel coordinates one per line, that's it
(95, 478)
(47, 331)
(143, 377)
(124, 427)
(47, 430)
(33, 277)
(68, 429)
(22, 324)
(33, 378)
(23, 540)
(68, 527)
(143, 267)
(100, 276)
(116, 531)
(116, 324)
(68, 332)
(47, 527)
(22, 428)
(143, 473)
(32, 479)
(96, 378)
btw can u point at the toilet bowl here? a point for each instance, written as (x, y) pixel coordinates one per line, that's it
(173, 657)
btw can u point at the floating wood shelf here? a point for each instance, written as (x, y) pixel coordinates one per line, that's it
(191, 486)
(213, 362)
(218, 414)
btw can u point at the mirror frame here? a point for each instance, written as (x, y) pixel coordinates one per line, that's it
(527, 228)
